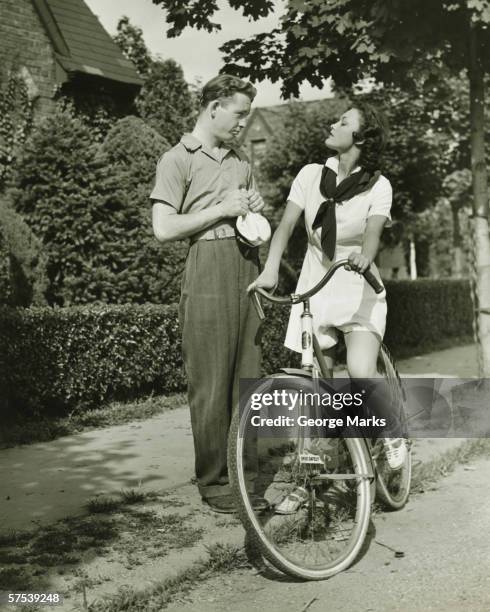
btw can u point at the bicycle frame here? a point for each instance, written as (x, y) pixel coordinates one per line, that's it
(310, 346)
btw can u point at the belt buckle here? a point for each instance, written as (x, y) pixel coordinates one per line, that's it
(220, 233)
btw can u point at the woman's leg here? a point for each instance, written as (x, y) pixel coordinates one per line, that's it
(362, 353)
(329, 356)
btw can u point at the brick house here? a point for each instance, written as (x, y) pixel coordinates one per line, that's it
(60, 46)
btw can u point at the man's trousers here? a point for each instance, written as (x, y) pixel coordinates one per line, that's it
(220, 345)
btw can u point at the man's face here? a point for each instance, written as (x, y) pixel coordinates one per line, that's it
(340, 137)
(231, 116)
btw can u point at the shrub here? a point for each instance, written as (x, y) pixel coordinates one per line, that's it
(55, 191)
(89, 204)
(23, 278)
(57, 358)
(141, 269)
(421, 313)
(54, 359)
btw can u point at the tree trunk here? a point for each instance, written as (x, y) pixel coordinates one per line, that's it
(480, 200)
(457, 270)
(413, 260)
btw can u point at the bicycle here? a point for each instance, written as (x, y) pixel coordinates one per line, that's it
(337, 477)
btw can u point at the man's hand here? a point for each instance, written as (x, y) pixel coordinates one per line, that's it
(358, 262)
(234, 204)
(255, 201)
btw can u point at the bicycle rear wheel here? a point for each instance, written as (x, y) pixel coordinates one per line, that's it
(325, 533)
(392, 486)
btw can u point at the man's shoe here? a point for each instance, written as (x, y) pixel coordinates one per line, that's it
(258, 503)
(223, 504)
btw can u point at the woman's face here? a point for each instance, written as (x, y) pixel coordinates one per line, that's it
(340, 136)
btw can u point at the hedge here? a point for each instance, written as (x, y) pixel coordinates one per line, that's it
(424, 312)
(54, 359)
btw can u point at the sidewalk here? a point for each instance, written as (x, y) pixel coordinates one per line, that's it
(45, 482)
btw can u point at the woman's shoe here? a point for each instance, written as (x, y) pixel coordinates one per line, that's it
(292, 502)
(395, 451)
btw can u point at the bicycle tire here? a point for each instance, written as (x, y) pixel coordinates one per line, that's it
(340, 508)
(393, 486)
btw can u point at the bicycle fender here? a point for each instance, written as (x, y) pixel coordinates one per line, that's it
(296, 372)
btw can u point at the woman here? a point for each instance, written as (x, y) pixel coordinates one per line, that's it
(347, 204)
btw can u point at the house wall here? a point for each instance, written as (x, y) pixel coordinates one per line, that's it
(24, 42)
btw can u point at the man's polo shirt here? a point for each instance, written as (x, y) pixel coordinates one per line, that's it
(190, 177)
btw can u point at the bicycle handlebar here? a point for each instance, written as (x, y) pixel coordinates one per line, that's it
(295, 298)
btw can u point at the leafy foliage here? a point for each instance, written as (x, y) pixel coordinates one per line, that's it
(129, 39)
(138, 269)
(89, 205)
(56, 192)
(56, 359)
(16, 115)
(166, 102)
(345, 39)
(424, 144)
(23, 278)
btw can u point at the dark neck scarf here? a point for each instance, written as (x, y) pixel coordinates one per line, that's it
(351, 186)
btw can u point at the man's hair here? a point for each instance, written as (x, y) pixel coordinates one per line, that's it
(374, 134)
(224, 86)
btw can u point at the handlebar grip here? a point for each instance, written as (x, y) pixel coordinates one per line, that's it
(258, 305)
(373, 281)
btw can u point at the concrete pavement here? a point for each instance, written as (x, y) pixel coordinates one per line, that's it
(44, 482)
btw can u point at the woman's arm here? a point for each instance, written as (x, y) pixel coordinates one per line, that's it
(370, 244)
(270, 275)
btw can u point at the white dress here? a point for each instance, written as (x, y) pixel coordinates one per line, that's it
(347, 301)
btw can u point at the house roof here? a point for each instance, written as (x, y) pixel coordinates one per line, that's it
(81, 43)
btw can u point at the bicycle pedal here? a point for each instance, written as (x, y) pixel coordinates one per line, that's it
(310, 458)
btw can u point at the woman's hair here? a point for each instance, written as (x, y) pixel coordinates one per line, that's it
(373, 134)
(224, 86)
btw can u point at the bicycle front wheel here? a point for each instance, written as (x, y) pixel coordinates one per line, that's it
(392, 486)
(318, 490)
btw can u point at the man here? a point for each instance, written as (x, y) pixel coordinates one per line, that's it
(202, 185)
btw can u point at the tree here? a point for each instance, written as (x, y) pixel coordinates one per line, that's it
(166, 102)
(401, 42)
(129, 39)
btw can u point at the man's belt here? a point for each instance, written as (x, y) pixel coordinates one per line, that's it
(222, 231)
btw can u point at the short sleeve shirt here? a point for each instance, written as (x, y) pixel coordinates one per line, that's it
(190, 177)
(351, 214)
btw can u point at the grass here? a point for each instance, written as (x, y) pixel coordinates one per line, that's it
(227, 558)
(428, 473)
(22, 429)
(220, 558)
(130, 529)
